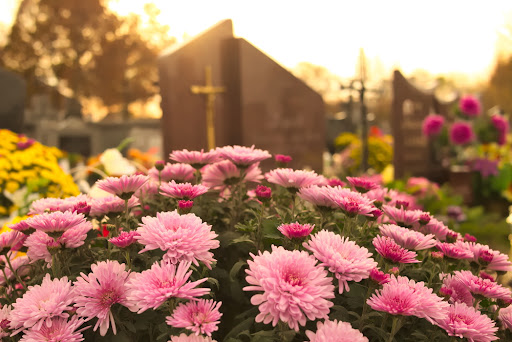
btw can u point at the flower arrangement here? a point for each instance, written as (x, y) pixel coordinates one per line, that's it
(29, 171)
(211, 248)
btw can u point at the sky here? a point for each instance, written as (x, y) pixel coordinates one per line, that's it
(438, 36)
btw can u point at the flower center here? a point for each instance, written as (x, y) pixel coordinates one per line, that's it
(109, 298)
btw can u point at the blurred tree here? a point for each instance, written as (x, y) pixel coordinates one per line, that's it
(499, 87)
(85, 50)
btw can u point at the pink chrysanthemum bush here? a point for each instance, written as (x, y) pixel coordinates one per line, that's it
(234, 245)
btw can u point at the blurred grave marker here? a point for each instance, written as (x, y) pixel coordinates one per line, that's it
(12, 101)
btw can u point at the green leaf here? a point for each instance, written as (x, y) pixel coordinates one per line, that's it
(236, 268)
(242, 239)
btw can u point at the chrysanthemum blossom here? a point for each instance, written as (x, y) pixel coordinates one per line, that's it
(190, 338)
(505, 316)
(296, 230)
(294, 288)
(61, 330)
(200, 317)
(11, 240)
(402, 216)
(335, 182)
(362, 184)
(432, 125)
(243, 156)
(435, 227)
(379, 277)
(111, 204)
(342, 257)
(42, 303)
(99, 290)
(455, 250)
(334, 331)
(493, 260)
(124, 239)
(351, 202)
(293, 179)
(318, 196)
(151, 288)
(45, 205)
(56, 222)
(19, 264)
(124, 186)
(390, 250)
(182, 237)
(263, 192)
(282, 158)
(184, 191)
(469, 106)
(196, 159)
(223, 173)
(466, 322)
(5, 313)
(483, 287)
(402, 296)
(501, 125)
(407, 238)
(461, 133)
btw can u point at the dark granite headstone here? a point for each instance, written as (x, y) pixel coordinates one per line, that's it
(413, 155)
(12, 101)
(263, 104)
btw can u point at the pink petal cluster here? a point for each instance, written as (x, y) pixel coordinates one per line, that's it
(466, 322)
(179, 172)
(11, 240)
(505, 316)
(44, 205)
(456, 290)
(290, 178)
(182, 237)
(19, 264)
(61, 330)
(481, 286)
(263, 192)
(5, 313)
(389, 249)
(184, 191)
(318, 196)
(282, 158)
(402, 296)
(379, 277)
(334, 331)
(455, 250)
(461, 133)
(195, 158)
(151, 288)
(402, 216)
(470, 106)
(56, 221)
(200, 317)
(296, 230)
(42, 303)
(99, 290)
(124, 239)
(223, 173)
(344, 258)
(501, 125)
(351, 202)
(432, 125)
(362, 184)
(435, 227)
(190, 338)
(111, 204)
(243, 156)
(294, 288)
(495, 260)
(407, 238)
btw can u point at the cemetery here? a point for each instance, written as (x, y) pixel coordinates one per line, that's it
(254, 208)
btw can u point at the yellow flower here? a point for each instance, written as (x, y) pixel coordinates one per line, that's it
(12, 186)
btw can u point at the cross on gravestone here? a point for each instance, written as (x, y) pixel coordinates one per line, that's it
(264, 105)
(210, 91)
(413, 155)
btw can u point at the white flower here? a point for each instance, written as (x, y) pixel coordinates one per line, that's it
(115, 164)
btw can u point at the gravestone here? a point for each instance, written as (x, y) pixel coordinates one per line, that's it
(413, 155)
(262, 103)
(12, 101)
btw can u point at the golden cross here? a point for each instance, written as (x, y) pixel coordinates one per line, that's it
(210, 91)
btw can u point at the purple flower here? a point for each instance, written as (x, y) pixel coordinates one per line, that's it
(486, 167)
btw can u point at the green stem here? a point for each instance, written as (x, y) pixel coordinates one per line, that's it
(365, 306)
(126, 217)
(15, 273)
(259, 232)
(55, 266)
(128, 259)
(293, 206)
(7, 281)
(394, 328)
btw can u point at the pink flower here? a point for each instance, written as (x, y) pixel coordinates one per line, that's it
(61, 330)
(505, 316)
(335, 182)
(461, 133)
(389, 249)
(432, 125)
(480, 286)
(185, 191)
(362, 184)
(147, 191)
(470, 106)
(490, 259)
(435, 227)
(200, 316)
(243, 156)
(19, 264)
(317, 195)
(185, 205)
(293, 179)
(379, 277)
(454, 250)
(183, 237)
(296, 230)
(191, 338)
(99, 290)
(331, 331)
(41, 303)
(179, 172)
(124, 186)
(5, 314)
(293, 287)
(401, 216)
(407, 238)
(351, 202)
(11, 240)
(20, 226)
(124, 239)
(466, 322)
(197, 159)
(56, 222)
(111, 204)
(44, 205)
(348, 261)
(263, 192)
(151, 288)
(456, 290)
(502, 126)
(282, 158)
(224, 173)
(402, 296)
